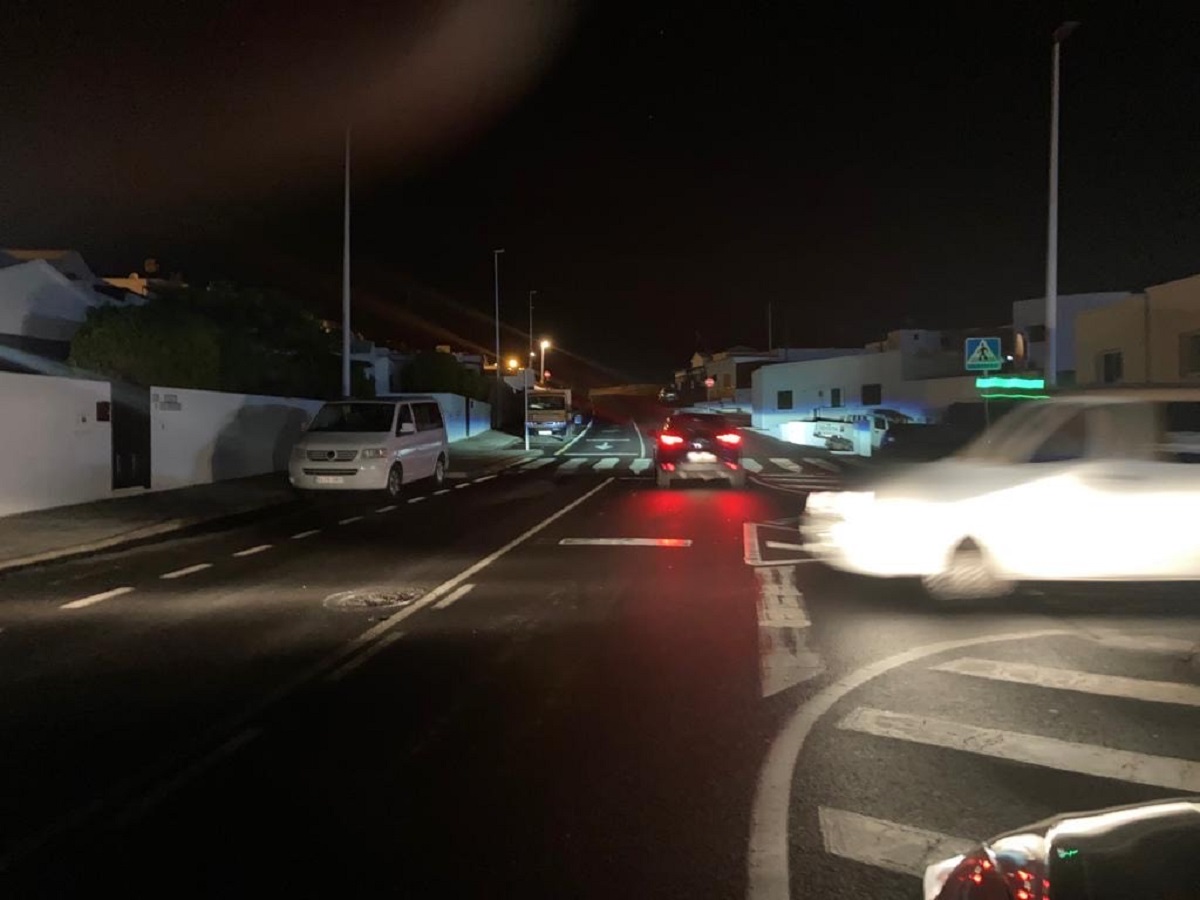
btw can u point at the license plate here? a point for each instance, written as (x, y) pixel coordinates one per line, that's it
(330, 479)
(697, 456)
(544, 432)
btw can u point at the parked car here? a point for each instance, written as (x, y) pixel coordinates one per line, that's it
(377, 445)
(702, 446)
(1092, 486)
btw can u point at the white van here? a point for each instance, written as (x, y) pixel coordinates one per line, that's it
(371, 445)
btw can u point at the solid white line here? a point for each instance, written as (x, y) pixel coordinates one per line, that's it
(1065, 756)
(768, 866)
(1068, 680)
(751, 465)
(250, 551)
(886, 845)
(419, 499)
(641, 443)
(442, 491)
(190, 570)
(781, 545)
(625, 542)
(567, 446)
(449, 599)
(386, 509)
(483, 478)
(640, 465)
(355, 661)
(97, 598)
(608, 462)
(787, 464)
(305, 534)
(350, 520)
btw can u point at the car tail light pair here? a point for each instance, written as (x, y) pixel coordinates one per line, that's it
(670, 440)
(730, 439)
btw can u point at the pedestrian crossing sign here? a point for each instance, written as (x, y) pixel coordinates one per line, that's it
(983, 354)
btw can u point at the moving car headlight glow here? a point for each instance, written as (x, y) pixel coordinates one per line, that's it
(841, 503)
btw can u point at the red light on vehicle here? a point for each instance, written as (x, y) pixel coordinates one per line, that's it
(732, 438)
(670, 440)
(668, 467)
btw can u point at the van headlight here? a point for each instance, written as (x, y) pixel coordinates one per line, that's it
(375, 453)
(839, 503)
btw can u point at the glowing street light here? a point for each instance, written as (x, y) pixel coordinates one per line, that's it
(512, 363)
(545, 346)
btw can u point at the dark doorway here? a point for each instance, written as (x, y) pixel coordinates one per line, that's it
(130, 436)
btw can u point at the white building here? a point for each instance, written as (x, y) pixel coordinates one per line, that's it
(1029, 322)
(911, 372)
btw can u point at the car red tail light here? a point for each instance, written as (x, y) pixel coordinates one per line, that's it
(670, 440)
(731, 438)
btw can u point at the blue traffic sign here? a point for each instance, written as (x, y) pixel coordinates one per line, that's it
(982, 354)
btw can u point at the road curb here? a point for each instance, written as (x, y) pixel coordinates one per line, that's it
(138, 536)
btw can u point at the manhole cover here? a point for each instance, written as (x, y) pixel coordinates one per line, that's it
(368, 598)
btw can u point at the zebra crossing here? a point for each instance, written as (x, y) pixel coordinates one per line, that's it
(1144, 744)
(791, 476)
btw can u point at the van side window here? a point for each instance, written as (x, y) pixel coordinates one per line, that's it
(405, 416)
(429, 416)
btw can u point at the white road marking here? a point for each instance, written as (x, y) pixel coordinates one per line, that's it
(823, 464)
(751, 465)
(190, 570)
(784, 658)
(146, 803)
(451, 598)
(386, 509)
(609, 440)
(305, 534)
(640, 465)
(251, 551)
(567, 446)
(783, 545)
(608, 462)
(419, 499)
(1068, 680)
(483, 478)
(625, 542)
(768, 862)
(538, 463)
(350, 520)
(641, 443)
(1032, 749)
(886, 845)
(573, 462)
(1146, 643)
(355, 661)
(465, 484)
(97, 598)
(787, 464)
(442, 491)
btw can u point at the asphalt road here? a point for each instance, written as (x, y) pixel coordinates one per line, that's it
(566, 683)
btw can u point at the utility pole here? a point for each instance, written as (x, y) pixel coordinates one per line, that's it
(770, 330)
(525, 369)
(499, 375)
(346, 274)
(1060, 34)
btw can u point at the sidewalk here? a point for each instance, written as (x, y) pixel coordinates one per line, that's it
(47, 535)
(64, 531)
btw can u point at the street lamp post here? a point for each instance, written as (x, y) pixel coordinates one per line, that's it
(499, 374)
(346, 274)
(542, 371)
(525, 373)
(1060, 34)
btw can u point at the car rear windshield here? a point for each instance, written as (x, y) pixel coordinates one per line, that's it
(699, 420)
(361, 418)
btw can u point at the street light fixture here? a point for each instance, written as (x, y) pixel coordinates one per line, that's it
(512, 363)
(542, 371)
(1061, 33)
(525, 374)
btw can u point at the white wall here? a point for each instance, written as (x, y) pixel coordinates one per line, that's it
(197, 437)
(55, 452)
(1027, 313)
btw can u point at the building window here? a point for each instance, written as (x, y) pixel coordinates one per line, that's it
(1189, 355)
(783, 400)
(835, 397)
(872, 394)
(1037, 334)
(1109, 367)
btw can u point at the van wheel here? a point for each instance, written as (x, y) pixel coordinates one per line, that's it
(969, 575)
(439, 471)
(395, 481)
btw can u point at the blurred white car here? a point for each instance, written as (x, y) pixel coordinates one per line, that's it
(1102, 485)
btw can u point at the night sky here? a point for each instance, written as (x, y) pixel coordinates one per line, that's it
(655, 170)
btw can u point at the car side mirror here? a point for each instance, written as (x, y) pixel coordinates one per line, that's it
(408, 428)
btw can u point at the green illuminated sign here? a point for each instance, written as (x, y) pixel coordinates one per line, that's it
(1001, 383)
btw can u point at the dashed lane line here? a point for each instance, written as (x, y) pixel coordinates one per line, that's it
(305, 534)
(387, 509)
(439, 493)
(415, 499)
(483, 478)
(252, 551)
(183, 573)
(97, 598)
(465, 484)
(350, 520)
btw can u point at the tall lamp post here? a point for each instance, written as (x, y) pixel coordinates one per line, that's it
(346, 274)
(525, 371)
(499, 374)
(1061, 33)
(542, 372)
